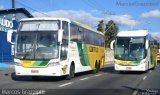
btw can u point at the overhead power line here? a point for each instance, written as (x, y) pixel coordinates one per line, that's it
(91, 5)
(96, 5)
(31, 8)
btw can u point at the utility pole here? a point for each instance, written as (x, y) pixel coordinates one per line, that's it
(13, 7)
(13, 4)
(104, 21)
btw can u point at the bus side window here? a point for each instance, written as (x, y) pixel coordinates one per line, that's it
(80, 35)
(150, 44)
(74, 33)
(64, 46)
(153, 44)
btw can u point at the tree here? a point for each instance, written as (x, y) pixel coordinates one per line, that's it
(111, 31)
(100, 26)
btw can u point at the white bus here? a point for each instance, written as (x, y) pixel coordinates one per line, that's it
(134, 51)
(56, 47)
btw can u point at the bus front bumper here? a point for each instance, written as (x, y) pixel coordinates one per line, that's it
(141, 67)
(47, 71)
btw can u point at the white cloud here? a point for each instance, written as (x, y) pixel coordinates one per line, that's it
(96, 11)
(81, 16)
(88, 18)
(125, 20)
(152, 13)
(1, 7)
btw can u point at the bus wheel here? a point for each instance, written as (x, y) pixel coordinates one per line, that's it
(35, 77)
(154, 66)
(147, 68)
(121, 72)
(71, 72)
(97, 68)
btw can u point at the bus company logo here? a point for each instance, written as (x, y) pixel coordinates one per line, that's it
(93, 49)
(64, 68)
(5, 24)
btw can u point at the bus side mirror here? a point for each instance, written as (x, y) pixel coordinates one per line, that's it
(147, 44)
(112, 44)
(10, 36)
(60, 36)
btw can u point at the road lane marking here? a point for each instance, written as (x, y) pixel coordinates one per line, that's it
(135, 92)
(98, 75)
(144, 77)
(62, 85)
(69, 83)
(84, 78)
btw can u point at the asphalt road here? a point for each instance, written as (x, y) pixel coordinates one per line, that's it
(106, 82)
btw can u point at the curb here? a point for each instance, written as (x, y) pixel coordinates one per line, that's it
(109, 62)
(5, 66)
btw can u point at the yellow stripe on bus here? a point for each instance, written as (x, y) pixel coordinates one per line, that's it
(27, 63)
(122, 62)
(95, 53)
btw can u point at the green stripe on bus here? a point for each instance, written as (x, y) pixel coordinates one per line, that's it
(36, 63)
(86, 59)
(136, 62)
(83, 54)
(40, 63)
(43, 63)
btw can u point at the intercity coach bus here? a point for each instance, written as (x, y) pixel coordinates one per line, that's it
(56, 47)
(134, 51)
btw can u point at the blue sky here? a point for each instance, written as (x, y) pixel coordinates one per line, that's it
(128, 14)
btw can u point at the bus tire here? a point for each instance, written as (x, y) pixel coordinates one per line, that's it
(71, 72)
(147, 68)
(121, 72)
(154, 66)
(35, 77)
(97, 67)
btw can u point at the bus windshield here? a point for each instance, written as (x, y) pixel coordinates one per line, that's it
(42, 46)
(39, 26)
(40, 43)
(130, 48)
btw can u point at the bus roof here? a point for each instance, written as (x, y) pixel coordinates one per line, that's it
(133, 33)
(65, 19)
(45, 18)
(87, 27)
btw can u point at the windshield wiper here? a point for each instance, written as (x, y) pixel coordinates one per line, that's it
(43, 57)
(26, 54)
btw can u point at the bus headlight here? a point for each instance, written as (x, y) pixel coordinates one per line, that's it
(18, 63)
(143, 62)
(53, 64)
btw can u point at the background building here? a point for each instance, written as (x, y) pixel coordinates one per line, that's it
(9, 19)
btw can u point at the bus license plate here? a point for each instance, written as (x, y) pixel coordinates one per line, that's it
(34, 71)
(128, 68)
